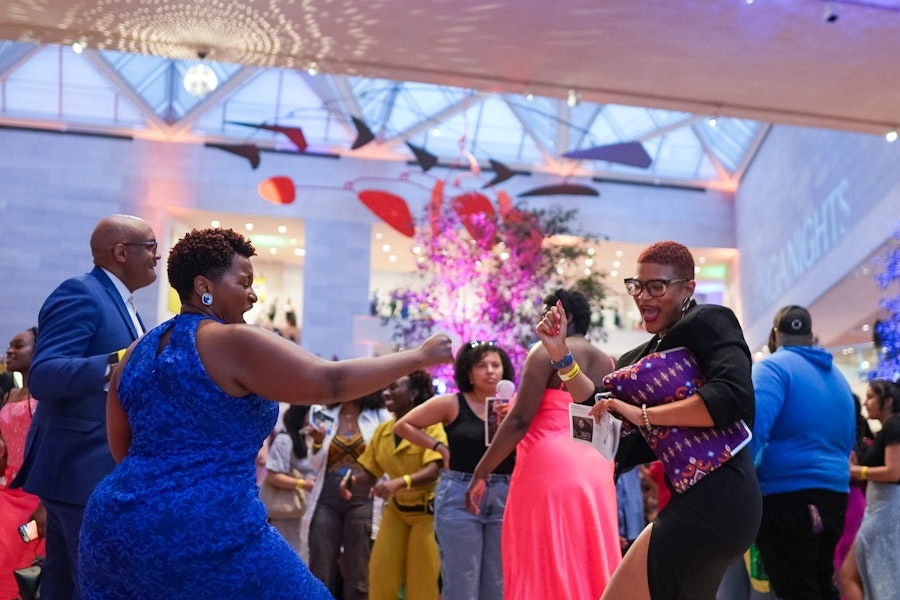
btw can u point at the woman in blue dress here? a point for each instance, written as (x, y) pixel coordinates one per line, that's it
(188, 409)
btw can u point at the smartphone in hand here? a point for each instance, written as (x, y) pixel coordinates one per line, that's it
(29, 531)
(491, 420)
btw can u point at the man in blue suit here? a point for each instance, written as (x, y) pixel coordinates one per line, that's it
(83, 325)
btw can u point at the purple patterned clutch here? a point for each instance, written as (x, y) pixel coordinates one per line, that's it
(687, 453)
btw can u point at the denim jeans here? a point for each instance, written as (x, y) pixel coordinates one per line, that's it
(470, 545)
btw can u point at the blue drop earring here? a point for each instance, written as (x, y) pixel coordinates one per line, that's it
(207, 299)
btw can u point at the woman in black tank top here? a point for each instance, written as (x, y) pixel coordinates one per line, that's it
(469, 544)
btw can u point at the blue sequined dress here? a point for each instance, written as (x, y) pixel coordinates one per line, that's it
(180, 516)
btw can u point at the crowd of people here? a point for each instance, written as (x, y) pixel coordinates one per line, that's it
(134, 451)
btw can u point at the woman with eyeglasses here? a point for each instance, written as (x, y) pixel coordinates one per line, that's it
(469, 544)
(707, 526)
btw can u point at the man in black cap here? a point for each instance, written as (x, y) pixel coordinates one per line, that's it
(802, 439)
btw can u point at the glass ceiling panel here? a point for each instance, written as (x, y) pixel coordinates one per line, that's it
(631, 122)
(274, 97)
(396, 107)
(729, 139)
(59, 84)
(539, 118)
(11, 53)
(678, 152)
(502, 127)
(138, 69)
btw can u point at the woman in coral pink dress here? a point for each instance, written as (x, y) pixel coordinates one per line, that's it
(16, 507)
(560, 528)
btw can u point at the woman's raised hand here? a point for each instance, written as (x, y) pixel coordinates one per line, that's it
(551, 330)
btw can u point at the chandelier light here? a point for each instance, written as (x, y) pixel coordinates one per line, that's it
(200, 80)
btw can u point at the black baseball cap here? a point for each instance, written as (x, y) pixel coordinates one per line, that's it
(793, 320)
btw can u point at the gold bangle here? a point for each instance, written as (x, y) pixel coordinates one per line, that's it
(864, 473)
(646, 418)
(571, 373)
(407, 479)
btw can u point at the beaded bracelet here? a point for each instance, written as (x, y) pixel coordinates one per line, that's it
(646, 418)
(570, 374)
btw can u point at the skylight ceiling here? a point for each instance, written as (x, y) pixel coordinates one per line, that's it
(142, 96)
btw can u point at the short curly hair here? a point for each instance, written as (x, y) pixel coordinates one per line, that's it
(575, 304)
(470, 354)
(672, 254)
(422, 384)
(206, 252)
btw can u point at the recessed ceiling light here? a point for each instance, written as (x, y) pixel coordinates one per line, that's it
(215, 224)
(248, 226)
(300, 251)
(282, 229)
(386, 247)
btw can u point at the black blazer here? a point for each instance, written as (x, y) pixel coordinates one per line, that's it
(715, 337)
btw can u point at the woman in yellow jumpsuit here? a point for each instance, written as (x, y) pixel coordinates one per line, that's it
(405, 550)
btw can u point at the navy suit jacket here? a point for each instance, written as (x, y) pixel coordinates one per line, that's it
(80, 324)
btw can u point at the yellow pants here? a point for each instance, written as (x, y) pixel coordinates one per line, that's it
(404, 551)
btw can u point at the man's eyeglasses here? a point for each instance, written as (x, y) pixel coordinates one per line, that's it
(152, 245)
(654, 287)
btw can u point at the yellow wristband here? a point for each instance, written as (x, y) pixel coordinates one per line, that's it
(571, 373)
(316, 446)
(299, 484)
(408, 480)
(864, 473)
